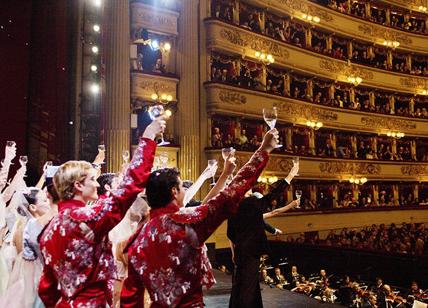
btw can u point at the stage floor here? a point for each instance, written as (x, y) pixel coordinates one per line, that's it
(218, 296)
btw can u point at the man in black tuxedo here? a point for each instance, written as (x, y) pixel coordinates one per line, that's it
(246, 232)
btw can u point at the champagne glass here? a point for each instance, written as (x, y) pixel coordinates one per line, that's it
(298, 196)
(212, 163)
(101, 147)
(23, 160)
(270, 115)
(163, 159)
(225, 152)
(156, 163)
(49, 163)
(125, 156)
(154, 112)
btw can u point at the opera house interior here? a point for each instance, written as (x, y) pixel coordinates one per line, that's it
(344, 83)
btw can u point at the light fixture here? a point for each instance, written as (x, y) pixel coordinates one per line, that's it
(154, 44)
(264, 58)
(396, 135)
(96, 28)
(310, 18)
(163, 98)
(95, 88)
(358, 180)
(267, 179)
(314, 125)
(422, 8)
(391, 44)
(95, 49)
(167, 46)
(97, 2)
(94, 68)
(355, 80)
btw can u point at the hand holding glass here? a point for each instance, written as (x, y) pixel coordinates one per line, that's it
(270, 115)
(155, 112)
(211, 163)
(125, 156)
(298, 196)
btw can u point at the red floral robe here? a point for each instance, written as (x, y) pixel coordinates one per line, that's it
(168, 256)
(77, 254)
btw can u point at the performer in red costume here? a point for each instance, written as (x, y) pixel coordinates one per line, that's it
(167, 256)
(75, 247)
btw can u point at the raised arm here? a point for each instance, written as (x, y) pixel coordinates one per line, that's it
(222, 206)
(206, 174)
(281, 210)
(10, 153)
(107, 213)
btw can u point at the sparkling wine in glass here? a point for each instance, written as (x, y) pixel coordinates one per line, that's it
(154, 112)
(101, 147)
(163, 158)
(212, 163)
(23, 160)
(10, 143)
(298, 196)
(225, 152)
(125, 156)
(270, 115)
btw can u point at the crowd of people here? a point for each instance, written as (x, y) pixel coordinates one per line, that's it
(407, 239)
(398, 18)
(246, 134)
(294, 32)
(80, 238)
(342, 289)
(249, 74)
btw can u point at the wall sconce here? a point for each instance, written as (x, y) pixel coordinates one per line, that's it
(355, 80)
(163, 98)
(314, 125)
(357, 180)
(391, 44)
(423, 92)
(264, 58)
(310, 18)
(422, 8)
(396, 135)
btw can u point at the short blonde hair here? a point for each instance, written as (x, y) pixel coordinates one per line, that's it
(67, 174)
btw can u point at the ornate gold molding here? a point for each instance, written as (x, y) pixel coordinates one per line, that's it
(413, 82)
(149, 17)
(256, 43)
(413, 170)
(345, 69)
(307, 8)
(335, 167)
(144, 85)
(312, 113)
(386, 123)
(391, 35)
(232, 98)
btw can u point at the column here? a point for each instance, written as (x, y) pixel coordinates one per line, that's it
(355, 191)
(412, 105)
(187, 117)
(312, 141)
(409, 61)
(389, 58)
(308, 38)
(309, 89)
(375, 200)
(371, 99)
(416, 192)
(117, 101)
(413, 149)
(354, 146)
(335, 195)
(333, 142)
(350, 49)
(392, 104)
(368, 11)
(388, 16)
(394, 147)
(289, 138)
(235, 12)
(395, 194)
(329, 43)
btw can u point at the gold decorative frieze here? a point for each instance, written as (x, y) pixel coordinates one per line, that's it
(306, 112)
(345, 69)
(386, 34)
(338, 167)
(414, 170)
(144, 85)
(233, 98)
(308, 8)
(413, 82)
(232, 40)
(153, 18)
(332, 168)
(244, 39)
(388, 123)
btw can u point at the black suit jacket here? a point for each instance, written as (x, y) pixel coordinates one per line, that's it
(247, 228)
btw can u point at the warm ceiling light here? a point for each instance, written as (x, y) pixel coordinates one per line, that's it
(169, 98)
(94, 68)
(95, 88)
(96, 28)
(95, 49)
(97, 2)
(154, 96)
(167, 46)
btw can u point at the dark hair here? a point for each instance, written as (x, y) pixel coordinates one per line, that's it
(187, 183)
(159, 186)
(103, 179)
(52, 192)
(31, 196)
